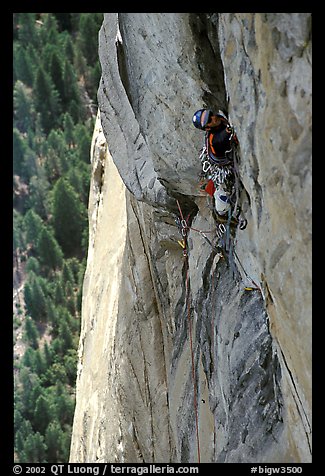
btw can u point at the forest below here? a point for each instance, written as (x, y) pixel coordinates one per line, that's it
(56, 72)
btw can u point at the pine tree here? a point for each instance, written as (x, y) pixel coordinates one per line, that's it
(35, 300)
(68, 127)
(83, 139)
(19, 149)
(64, 405)
(46, 99)
(56, 72)
(69, 50)
(31, 333)
(33, 265)
(56, 148)
(71, 92)
(39, 363)
(33, 225)
(23, 69)
(30, 164)
(42, 414)
(53, 441)
(34, 450)
(19, 441)
(27, 32)
(49, 251)
(59, 293)
(65, 335)
(38, 193)
(68, 217)
(50, 30)
(88, 36)
(28, 359)
(24, 113)
(67, 274)
(48, 354)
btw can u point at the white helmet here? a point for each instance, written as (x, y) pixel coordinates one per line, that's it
(222, 201)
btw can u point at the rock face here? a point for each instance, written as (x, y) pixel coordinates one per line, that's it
(177, 361)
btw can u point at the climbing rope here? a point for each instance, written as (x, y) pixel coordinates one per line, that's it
(184, 231)
(195, 391)
(213, 341)
(247, 288)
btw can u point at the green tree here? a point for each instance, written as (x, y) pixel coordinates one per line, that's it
(69, 49)
(82, 137)
(48, 354)
(22, 65)
(19, 441)
(42, 414)
(35, 299)
(30, 389)
(88, 36)
(39, 363)
(28, 359)
(34, 450)
(56, 148)
(70, 365)
(64, 405)
(71, 93)
(49, 251)
(68, 217)
(24, 112)
(56, 72)
(65, 335)
(18, 233)
(50, 30)
(30, 164)
(67, 273)
(27, 32)
(53, 441)
(38, 193)
(33, 225)
(68, 127)
(33, 265)
(59, 293)
(46, 99)
(19, 149)
(31, 333)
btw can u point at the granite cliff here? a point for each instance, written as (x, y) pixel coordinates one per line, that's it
(137, 400)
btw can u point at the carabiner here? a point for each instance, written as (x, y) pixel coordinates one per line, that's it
(206, 168)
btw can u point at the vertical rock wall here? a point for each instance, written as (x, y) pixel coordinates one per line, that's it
(251, 350)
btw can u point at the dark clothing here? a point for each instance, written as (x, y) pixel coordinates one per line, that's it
(218, 141)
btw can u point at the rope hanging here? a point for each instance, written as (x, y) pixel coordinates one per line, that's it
(188, 308)
(195, 392)
(185, 228)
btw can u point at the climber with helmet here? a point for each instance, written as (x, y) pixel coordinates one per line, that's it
(219, 141)
(219, 135)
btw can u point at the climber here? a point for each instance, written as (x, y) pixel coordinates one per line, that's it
(219, 136)
(218, 163)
